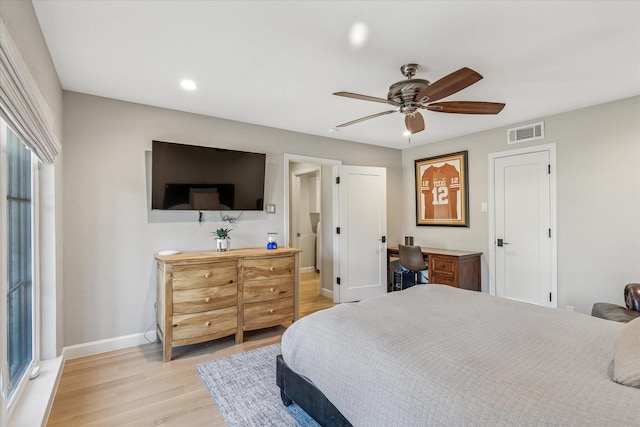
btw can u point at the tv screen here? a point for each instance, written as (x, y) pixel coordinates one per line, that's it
(189, 177)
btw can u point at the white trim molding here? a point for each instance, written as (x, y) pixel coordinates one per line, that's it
(35, 406)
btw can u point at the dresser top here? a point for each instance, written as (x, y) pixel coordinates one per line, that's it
(232, 254)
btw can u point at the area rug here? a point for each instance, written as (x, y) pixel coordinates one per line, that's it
(244, 388)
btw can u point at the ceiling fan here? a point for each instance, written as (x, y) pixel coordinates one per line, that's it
(408, 96)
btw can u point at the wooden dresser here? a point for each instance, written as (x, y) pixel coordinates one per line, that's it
(202, 296)
(447, 267)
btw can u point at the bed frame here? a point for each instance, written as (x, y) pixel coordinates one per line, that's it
(298, 389)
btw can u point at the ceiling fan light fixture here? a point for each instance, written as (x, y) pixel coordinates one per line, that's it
(411, 95)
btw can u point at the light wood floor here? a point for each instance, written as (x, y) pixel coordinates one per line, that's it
(133, 387)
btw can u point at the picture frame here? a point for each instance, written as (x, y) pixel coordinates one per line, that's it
(442, 190)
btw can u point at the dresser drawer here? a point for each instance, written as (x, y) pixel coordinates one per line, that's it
(267, 268)
(442, 279)
(261, 314)
(268, 289)
(188, 326)
(205, 299)
(193, 276)
(441, 264)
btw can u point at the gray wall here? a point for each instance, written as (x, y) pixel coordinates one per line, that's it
(110, 233)
(598, 199)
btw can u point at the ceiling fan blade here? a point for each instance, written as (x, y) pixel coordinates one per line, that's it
(414, 123)
(363, 97)
(362, 119)
(466, 107)
(448, 85)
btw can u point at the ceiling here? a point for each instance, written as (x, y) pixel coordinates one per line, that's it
(277, 63)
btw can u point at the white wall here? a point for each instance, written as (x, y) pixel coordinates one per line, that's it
(598, 192)
(110, 234)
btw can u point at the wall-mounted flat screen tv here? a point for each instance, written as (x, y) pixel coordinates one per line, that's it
(190, 177)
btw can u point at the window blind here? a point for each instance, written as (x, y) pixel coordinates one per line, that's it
(22, 105)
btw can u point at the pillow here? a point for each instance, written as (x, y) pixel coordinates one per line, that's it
(626, 368)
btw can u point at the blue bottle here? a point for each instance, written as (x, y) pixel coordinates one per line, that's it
(271, 244)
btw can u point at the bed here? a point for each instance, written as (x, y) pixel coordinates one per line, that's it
(437, 355)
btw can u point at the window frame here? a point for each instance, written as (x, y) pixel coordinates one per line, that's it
(32, 368)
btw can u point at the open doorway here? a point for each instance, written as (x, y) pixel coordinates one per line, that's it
(352, 225)
(305, 225)
(309, 214)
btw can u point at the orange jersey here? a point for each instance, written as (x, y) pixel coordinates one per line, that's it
(439, 188)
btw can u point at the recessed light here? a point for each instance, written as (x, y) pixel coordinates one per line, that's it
(188, 84)
(358, 34)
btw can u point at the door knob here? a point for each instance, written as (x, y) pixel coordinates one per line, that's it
(501, 242)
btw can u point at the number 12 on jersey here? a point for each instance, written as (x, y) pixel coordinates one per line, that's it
(442, 193)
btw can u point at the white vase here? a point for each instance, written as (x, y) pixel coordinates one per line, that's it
(222, 245)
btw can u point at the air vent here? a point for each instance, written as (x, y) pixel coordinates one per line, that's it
(525, 133)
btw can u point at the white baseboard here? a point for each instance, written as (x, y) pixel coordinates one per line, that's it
(117, 343)
(326, 292)
(311, 269)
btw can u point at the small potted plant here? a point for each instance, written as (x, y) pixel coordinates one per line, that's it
(222, 239)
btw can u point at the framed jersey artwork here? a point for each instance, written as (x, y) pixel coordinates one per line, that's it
(442, 190)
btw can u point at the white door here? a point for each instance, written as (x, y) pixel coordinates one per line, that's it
(361, 242)
(523, 243)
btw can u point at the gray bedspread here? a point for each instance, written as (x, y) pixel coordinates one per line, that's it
(436, 355)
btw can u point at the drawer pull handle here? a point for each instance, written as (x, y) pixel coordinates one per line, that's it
(207, 299)
(272, 290)
(207, 324)
(273, 269)
(208, 275)
(271, 311)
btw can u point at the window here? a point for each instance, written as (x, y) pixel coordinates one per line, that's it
(17, 214)
(32, 124)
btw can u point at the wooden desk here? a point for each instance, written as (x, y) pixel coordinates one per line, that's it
(446, 267)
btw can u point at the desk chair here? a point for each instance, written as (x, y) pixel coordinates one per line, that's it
(412, 259)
